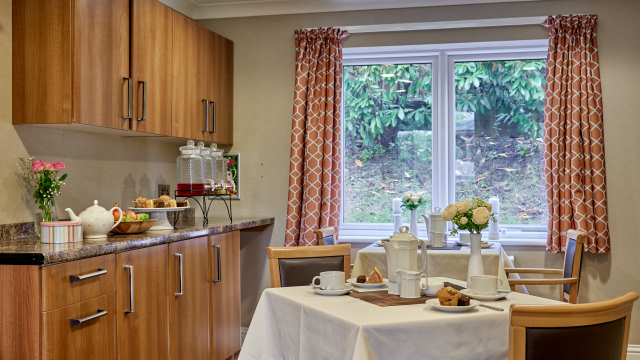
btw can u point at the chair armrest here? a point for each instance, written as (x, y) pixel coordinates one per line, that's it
(533, 271)
(542, 281)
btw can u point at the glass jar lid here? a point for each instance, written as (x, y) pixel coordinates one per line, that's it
(190, 149)
(204, 151)
(215, 151)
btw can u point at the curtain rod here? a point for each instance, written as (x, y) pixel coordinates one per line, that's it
(439, 25)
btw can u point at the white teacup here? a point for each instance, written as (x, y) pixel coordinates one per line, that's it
(329, 280)
(430, 288)
(485, 284)
(465, 237)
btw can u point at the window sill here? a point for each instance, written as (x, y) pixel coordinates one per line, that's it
(505, 241)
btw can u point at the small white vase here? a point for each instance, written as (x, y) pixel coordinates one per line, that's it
(413, 226)
(475, 258)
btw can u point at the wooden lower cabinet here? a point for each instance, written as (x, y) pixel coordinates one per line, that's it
(224, 250)
(145, 306)
(189, 299)
(142, 306)
(69, 333)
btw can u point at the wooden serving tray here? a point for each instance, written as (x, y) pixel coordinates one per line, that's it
(383, 298)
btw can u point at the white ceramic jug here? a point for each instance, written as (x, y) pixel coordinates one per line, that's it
(409, 283)
(402, 253)
(435, 228)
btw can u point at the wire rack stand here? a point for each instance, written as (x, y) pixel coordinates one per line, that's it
(204, 207)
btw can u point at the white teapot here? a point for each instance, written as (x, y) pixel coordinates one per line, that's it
(96, 220)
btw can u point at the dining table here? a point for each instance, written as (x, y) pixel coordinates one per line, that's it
(296, 323)
(452, 261)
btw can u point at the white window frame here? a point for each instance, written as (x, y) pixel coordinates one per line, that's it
(442, 58)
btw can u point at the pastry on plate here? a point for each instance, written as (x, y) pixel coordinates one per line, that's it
(375, 277)
(361, 279)
(149, 204)
(448, 296)
(139, 202)
(464, 301)
(173, 204)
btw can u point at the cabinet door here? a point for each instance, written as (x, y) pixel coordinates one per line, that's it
(220, 87)
(42, 79)
(189, 299)
(142, 314)
(151, 54)
(224, 250)
(101, 58)
(85, 330)
(189, 80)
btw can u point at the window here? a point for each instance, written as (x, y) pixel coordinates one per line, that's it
(452, 121)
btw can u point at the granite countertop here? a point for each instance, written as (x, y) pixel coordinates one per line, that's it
(30, 251)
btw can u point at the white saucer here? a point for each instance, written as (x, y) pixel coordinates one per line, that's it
(344, 291)
(435, 303)
(487, 246)
(469, 293)
(355, 283)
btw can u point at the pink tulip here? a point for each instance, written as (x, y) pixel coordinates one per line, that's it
(36, 166)
(57, 166)
(47, 166)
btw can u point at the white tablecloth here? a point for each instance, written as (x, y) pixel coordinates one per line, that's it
(294, 323)
(446, 263)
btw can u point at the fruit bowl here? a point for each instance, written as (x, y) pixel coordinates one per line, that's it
(133, 227)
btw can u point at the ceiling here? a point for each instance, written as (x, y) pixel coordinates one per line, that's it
(211, 9)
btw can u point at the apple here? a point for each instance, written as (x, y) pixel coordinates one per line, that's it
(116, 215)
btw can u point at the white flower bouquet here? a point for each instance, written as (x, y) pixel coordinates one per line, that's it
(472, 215)
(413, 200)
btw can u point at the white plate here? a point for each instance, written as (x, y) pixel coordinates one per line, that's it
(469, 293)
(355, 283)
(155, 210)
(435, 303)
(481, 246)
(344, 291)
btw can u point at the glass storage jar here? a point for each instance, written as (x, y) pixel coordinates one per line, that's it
(220, 168)
(190, 171)
(208, 165)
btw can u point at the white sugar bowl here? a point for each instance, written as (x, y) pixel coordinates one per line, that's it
(97, 221)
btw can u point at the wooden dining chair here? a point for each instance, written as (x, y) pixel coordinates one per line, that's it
(326, 236)
(296, 266)
(570, 271)
(597, 331)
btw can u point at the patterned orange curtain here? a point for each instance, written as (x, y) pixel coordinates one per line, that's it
(573, 135)
(315, 168)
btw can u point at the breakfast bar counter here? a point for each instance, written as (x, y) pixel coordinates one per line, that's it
(30, 251)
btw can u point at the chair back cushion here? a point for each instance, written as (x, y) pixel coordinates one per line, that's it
(568, 264)
(328, 240)
(300, 271)
(593, 342)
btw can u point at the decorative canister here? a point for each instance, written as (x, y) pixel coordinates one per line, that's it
(61, 232)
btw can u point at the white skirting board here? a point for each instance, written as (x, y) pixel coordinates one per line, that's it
(633, 352)
(243, 333)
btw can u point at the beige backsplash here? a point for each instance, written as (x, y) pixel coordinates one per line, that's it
(106, 168)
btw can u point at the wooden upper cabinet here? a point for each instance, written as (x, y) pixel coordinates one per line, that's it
(69, 61)
(189, 299)
(220, 86)
(142, 308)
(190, 117)
(224, 250)
(151, 58)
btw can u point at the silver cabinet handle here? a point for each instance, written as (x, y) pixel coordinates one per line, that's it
(219, 264)
(80, 321)
(181, 282)
(144, 100)
(206, 115)
(132, 303)
(130, 106)
(75, 278)
(215, 117)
